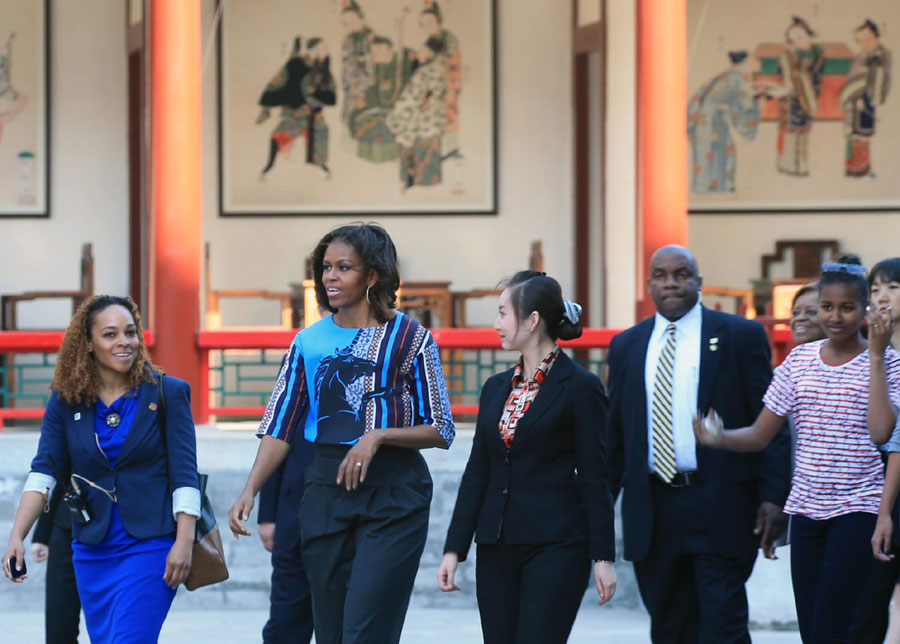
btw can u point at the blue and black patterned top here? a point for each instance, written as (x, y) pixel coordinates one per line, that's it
(337, 383)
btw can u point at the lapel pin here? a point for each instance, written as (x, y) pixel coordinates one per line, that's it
(714, 344)
(152, 406)
(78, 415)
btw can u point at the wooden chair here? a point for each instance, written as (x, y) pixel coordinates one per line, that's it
(742, 296)
(213, 297)
(9, 303)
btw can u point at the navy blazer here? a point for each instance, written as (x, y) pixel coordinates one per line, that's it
(143, 476)
(279, 498)
(733, 379)
(551, 484)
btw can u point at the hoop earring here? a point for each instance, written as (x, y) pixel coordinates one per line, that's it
(368, 301)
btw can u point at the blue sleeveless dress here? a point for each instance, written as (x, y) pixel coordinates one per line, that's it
(120, 579)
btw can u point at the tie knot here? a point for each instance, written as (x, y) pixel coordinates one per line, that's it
(670, 329)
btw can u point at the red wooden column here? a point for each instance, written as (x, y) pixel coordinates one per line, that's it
(175, 104)
(662, 139)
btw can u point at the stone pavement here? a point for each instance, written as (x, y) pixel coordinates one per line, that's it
(595, 625)
(235, 611)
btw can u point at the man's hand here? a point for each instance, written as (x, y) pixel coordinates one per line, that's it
(770, 524)
(266, 532)
(39, 551)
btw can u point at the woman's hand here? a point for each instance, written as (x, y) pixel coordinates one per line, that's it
(605, 580)
(447, 572)
(880, 328)
(15, 550)
(881, 538)
(240, 512)
(355, 465)
(709, 430)
(39, 551)
(178, 563)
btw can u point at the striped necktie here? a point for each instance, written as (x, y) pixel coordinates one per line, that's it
(663, 443)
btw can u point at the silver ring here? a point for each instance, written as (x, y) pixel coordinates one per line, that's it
(358, 463)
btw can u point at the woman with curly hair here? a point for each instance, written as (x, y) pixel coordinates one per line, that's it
(365, 385)
(100, 438)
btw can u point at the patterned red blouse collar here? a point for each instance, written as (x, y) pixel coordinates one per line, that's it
(540, 374)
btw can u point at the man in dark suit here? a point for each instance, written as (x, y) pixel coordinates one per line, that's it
(52, 541)
(290, 610)
(692, 517)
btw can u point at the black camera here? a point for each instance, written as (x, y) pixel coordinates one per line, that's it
(77, 505)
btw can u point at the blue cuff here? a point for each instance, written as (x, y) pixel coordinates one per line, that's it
(187, 500)
(38, 482)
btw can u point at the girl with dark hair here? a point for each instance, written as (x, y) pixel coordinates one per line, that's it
(870, 623)
(365, 385)
(132, 533)
(538, 524)
(843, 393)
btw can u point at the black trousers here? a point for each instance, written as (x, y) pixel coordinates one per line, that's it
(361, 549)
(62, 604)
(830, 564)
(693, 594)
(290, 605)
(870, 623)
(530, 593)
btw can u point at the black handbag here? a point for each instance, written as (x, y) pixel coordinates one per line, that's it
(208, 557)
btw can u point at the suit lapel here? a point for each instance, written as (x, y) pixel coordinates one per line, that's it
(143, 420)
(83, 421)
(547, 395)
(637, 358)
(710, 350)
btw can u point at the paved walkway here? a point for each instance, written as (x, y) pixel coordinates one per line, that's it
(423, 626)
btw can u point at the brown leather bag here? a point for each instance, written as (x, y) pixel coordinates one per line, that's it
(208, 561)
(208, 557)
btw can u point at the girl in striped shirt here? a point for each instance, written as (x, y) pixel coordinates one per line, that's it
(843, 393)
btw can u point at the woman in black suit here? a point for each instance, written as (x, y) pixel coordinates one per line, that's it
(535, 493)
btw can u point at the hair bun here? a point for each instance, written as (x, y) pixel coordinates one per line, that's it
(849, 259)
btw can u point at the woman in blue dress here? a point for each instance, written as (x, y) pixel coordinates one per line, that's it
(134, 531)
(366, 386)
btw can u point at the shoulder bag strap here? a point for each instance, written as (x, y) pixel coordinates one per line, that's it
(162, 412)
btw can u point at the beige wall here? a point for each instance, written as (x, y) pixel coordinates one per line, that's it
(535, 184)
(728, 247)
(88, 171)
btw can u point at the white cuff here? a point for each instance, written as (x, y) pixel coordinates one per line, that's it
(37, 482)
(187, 500)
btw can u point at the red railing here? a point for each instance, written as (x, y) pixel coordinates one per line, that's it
(34, 342)
(12, 342)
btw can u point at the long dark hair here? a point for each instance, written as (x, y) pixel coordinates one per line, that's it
(374, 246)
(531, 291)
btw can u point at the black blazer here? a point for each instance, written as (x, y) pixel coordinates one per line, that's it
(733, 380)
(552, 483)
(144, 475)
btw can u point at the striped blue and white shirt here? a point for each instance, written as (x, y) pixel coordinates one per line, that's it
(337, 383)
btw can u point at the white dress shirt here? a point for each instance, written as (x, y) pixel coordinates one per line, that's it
(686, 379)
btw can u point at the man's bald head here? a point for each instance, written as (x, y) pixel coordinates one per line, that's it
(674, 281)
